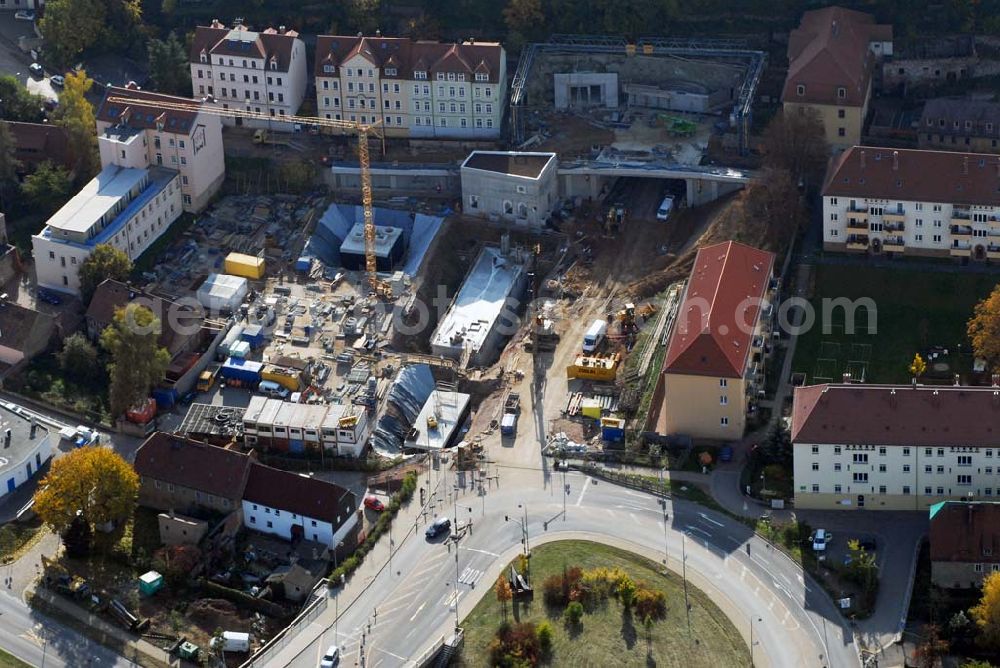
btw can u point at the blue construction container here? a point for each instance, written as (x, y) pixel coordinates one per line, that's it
(245, 371)
(165, 397)
(296, 446)
(254, 335)
(613, 429)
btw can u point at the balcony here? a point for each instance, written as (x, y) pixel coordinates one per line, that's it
(860, 214)
(961, 232)
(857, 243)
(893, 244)
(894, 227)
(961, 214)
(993, 252)
(960, 250)
(857, 224)
(897, 216)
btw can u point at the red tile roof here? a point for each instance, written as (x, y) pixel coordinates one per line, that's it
(829, 50)
(967, 532)
(144, 112)
(299, 494)
(858, 414)
(407, 55)
(112, 295)
(240, 41)
(37, 142)
(914, 175)
(714, 325)
(192, 464)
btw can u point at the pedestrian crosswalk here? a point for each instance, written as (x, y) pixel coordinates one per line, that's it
(470, 576)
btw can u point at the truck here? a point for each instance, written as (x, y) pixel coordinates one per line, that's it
(207, 378)
(594, 335)
(511, 411)
(264, 138)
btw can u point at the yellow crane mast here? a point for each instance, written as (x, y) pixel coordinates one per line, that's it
(362, 130)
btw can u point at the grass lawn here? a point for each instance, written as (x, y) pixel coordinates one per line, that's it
(916, 310)
(10, 661)
(608, 638)
(16, 538)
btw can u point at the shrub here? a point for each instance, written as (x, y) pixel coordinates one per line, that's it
(573, 613)
(650, 604)
(552, 591)
(625, 589)
(544, 633)
(515, 645)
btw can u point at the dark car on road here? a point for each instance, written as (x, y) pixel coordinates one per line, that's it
(437, 527)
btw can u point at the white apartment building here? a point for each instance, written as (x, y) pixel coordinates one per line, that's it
(141, 134)
(259, 72)
(294, 506)
(894, 447)
(413, 88)
(913, 202)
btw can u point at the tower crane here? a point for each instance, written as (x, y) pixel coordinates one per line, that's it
(363, 130)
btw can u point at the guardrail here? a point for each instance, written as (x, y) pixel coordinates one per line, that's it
(304, 618)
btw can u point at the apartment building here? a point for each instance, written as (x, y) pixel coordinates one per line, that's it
(964, 543)
(831, 60)
(960, 125)
(714, 368)
(913, 202)
(140, 133)
(894, 447)
(415, 89)
(259, 72)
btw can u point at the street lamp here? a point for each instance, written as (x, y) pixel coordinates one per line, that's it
(752, 643)
(527, 547)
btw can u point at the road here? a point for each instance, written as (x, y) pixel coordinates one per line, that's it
(414, 600)
(42, 641)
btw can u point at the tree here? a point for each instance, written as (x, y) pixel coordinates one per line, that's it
(104, 262)
(9, 163)
(984, 329)
(986, 613)
(772, 208)
(918, 366)
(78, 357)
(504, 593)
(48, 187)
(138, 362)
(544, 634)
(176, 562)
(71, 26)
(76, 114)
(796, 143)
(777, 447)
(574, 613)
(17, 104)
(168, 66)
(626, 589)
(863, 569)
(77, 538)
(931, 648)
(94, 481)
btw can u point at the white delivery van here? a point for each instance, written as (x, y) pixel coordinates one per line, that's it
(666, 206)
(269, 388)
(595, 334)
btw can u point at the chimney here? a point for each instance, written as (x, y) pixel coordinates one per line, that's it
(834, 28)
(957, 382)
(895, 161)
(995, 380)
(281, 30)
(914, 382)
(6, 438)
(892, 398)
(33, 427)
(862, 153)
(965, 165)
(846, 378)
(378, 32)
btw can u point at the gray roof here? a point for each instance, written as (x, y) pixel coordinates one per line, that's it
(21, 441)
(512, 163)
(950, 110)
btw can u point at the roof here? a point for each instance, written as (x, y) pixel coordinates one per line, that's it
(22, 444)
(921, 415)
(37, 142)
(512, 163)
(407, 55)
(965, 531)
(950, 110)
(193, 464)
(915, 175)
(450, 409)
(299, 494)
(829, 50)
(24, 328)
(723, 295)
(112, 295)
(144, 110)
(212, 420)
(240, 41)
(97, 197)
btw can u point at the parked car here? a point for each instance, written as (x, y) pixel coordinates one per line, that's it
(49, 297)
(438, 526)
(269, 388)
(24, 15)
(36, 70)
(331, 657)
(726, 453)
(373, 503)
(820, 539)
(58, 80)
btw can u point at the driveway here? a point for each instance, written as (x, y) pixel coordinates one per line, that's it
(12, 59)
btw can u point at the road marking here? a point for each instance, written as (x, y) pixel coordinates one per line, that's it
(473, 549)
(586, 484)
(418, 611)
(630, 506)
(450, 599)
(709, 519)
(470, 576)
(699, 530)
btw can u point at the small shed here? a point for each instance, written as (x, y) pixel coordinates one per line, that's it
(222, 293)
(150, 583)
(254, 335)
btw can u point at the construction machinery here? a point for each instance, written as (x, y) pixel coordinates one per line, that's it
(542, 337)
(379, 287)
(614, 222)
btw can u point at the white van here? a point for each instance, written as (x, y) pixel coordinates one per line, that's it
(269, 388)
(595, 334)
(666, 206)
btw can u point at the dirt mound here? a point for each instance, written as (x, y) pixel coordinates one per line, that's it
(213, 613)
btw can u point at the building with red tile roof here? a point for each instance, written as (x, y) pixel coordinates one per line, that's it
(831, 58)
(35, 143)
(715, 358)
(413, 88)
(964, 542)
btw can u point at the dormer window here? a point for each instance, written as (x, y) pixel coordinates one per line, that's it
(390, 71)
(482, 76)
(203, 57)
(461, 77)
(420, 74)
(440, 76)
(800, 89)
(841, 93)
(328, 69)
(274, 63)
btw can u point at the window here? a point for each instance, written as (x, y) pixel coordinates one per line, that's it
(881, 451)
(940, 452)
(253, 520)
(314, 522)
(724, 422)
(859, 457)
(815, 449)
(927, 490)
(836, 449)
(815, 466)
(473, 199)
(723, 400)
(480, 76)
(270, 525)
(940, 469)
(965, 460)
(840, 113)
(390, 71)
(836, 467)
(906, 490)
(800, 89)
(841, 92)
(881, 489)
(815, 489)
(906, 452)
(906, 468)
(860, 477)
(964, 479)
(881, 468)
(723, 382)
(841, 132)
(978, 568)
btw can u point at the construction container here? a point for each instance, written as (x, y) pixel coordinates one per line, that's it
(254, 335)
(246, 372)
(233, 641)
(165, 397)
(150, 583)
(188, 651)
(594, 368)
(591, 408)
(247, 266)
(286, 377)
(613, 429)
(232, 336)
(239, 350)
